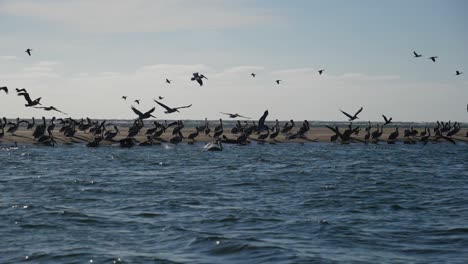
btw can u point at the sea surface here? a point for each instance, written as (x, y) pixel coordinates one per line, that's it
(283, 203)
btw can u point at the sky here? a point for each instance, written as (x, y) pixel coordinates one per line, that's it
(87, 54)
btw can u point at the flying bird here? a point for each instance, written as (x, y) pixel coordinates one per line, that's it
(137, 101)
(4, 88)
(50, 108)
(20, 90)
(160, 97)
(171, 109)
(168, 81)
(278, 81)
(234, 115)
(29, 101)
(124, 97)
(387, 121)
(253, 74)
(320, 72)
(199, 78)
(145, 115)
(351, 118)
(433, 58)
(456, 73)
(416, 55)
(28, 51)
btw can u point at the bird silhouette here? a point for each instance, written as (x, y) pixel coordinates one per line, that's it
(160, 97)
(234, 115)
(28, 51)
(416, 55)
(278, 81)
(28, 99)
(171, 109)
(351, 118)
(456, 73)
(50, 108)
(198, 77)
(4, 88)
(168, 81)
(320, 72)
(137, 101)
(387, 121)
(145, 115)
(433, 58)
(20, 90)
(124, 97)
(253, 74)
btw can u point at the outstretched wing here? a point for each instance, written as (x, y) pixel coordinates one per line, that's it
(225, 113)
(26, 96)
(55, 109)
(261, 121)
(346, 114)
(4, 88)
(136, 111)
(200, 82)
(243, 116)
(359, 111)
(163, 105)
(187, 106)
(151, 110)
(385, 118)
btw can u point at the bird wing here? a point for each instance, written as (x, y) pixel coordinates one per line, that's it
(195, 75)
(55, 109)
(26, 96)
(359, 111)
(199, 80)
(261, 121)
(346, 114)
(163, 105)
(225, 113)
(415, 54)
(243, 116)
(186, 106)
(385, 118)
(151, 110)
(331, 128)
(136, 111)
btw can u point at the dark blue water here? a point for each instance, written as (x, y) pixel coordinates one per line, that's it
(285, 203)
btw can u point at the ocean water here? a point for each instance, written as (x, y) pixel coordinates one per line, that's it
(284, 203)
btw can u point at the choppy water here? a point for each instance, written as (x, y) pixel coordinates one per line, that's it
(285, 203)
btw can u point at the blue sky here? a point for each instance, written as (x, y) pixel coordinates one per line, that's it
(101, 47)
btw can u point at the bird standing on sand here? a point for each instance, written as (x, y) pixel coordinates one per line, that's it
(171, 109)
(433, 58)
(351, 118)
(28, 99)
(28, 51)
(198, 77)
(416, 55)
(4, 88)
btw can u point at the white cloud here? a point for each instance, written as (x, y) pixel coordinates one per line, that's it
(139, 15)
(8, 58)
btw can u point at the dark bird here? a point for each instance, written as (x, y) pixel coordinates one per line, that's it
(160, 97)
(234, 115)
(50, 108)
(433, 58)
(416, 55)
(351, 118)
(198, 77)
(137, 101)
(141, 115)
(456, 73)
(4, 88)
(28, 51)
(278, 81)
(387, 121)
(320, 72)
(28, 99)
(168, 81)
(253, 74)
(124, 97)
(20, 90)
(170, 109)
(261, 122)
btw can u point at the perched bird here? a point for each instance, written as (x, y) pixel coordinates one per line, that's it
(351, 118)
(387, 121)
(234, 115)
(28, 51)
(28, 99)
(124, 97)
(416, 55)
(137, 101)
(456, 73)
(320, 72)
(168, 81)
(261, 122)
(171, 109)
(278, 81)
(145, 115)
(253, 74)
(198, 77)
(433, 58)
(4, 88)
(50, 108)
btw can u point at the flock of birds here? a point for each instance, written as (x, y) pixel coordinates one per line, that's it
(44, 132)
